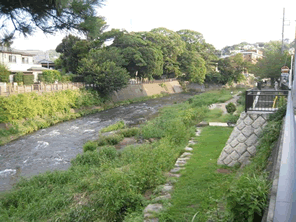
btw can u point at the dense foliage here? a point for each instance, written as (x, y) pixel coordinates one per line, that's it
(28, 79)
(30, 105)
(272, 62)
(50, 76)
(18, 77)
(4, 73)
(160, 53)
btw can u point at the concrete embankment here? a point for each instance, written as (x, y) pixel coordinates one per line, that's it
(146, 89)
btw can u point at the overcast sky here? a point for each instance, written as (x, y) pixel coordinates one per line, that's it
(222, 23)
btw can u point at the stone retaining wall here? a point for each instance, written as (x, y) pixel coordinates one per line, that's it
(243, 140)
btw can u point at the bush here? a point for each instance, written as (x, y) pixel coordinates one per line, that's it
(119, 125)
(129, 132)
(18, 77)
(230, 107)
(90, 146)
(4, 73)
(110, 140)
(29, 105)
(50, 76)
(28, 79)
(248, 198)
(232, 118)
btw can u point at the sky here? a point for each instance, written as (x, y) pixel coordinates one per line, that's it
(222, 23)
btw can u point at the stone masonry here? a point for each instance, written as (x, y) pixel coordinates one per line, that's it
(243, 140)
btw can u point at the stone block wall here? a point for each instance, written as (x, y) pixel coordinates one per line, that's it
(243, 140)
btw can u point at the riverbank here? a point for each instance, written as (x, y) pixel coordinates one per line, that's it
(87, 104)
(109, 184)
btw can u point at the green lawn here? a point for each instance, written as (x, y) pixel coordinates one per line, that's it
(201, 187)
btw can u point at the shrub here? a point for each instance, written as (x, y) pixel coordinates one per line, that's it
(65, 78)
(232, 118)
(18, 77)
(90, 146)
(119, 125)
(129, 132)
(248, 198)
(230, 107)
(28, 79)
(49, 76)
(4, 73)
(96, 158)
(110, 140)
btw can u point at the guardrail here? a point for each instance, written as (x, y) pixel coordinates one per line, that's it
(285, 207)
(285, 203)
(265, 100)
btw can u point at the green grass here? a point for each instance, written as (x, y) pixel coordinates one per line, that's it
(116, 126)
(104, 184)
(201, 187)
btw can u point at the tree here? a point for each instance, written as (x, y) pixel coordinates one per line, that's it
(197, 46)
(69, 56)
(142, 58)
(171, 46)
(192, 66)
(93, 27)
(48, 15)
(231, 68)
(271, 63)
(4, 73)
(107, 76)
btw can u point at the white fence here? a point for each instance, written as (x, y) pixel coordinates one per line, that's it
(38, 88)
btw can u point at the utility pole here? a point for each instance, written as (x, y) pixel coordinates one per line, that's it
(283, 31)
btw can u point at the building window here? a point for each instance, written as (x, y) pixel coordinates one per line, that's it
(25, 60)
(12, 58)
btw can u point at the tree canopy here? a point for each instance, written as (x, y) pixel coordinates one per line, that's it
(231, 68)
(272, 62)
(47, 15)
(159, 53)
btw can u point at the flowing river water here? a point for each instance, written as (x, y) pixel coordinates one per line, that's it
(53, 148)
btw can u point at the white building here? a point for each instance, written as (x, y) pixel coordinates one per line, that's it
(19, 62)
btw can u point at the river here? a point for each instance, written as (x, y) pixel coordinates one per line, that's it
(53, 148)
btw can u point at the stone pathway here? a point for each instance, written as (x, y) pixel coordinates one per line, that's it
(222, 106)
(151, 210)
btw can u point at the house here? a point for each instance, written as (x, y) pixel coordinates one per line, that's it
(46, 64)
(19, 62)
(251, 55)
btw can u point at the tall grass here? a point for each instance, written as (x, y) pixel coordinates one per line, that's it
(104, 184)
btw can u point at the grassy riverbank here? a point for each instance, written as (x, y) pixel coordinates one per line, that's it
(208, 192)
(108, 184)
(25, 113)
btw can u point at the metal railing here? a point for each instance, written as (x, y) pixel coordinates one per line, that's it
(285, 207)
(265, 100)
